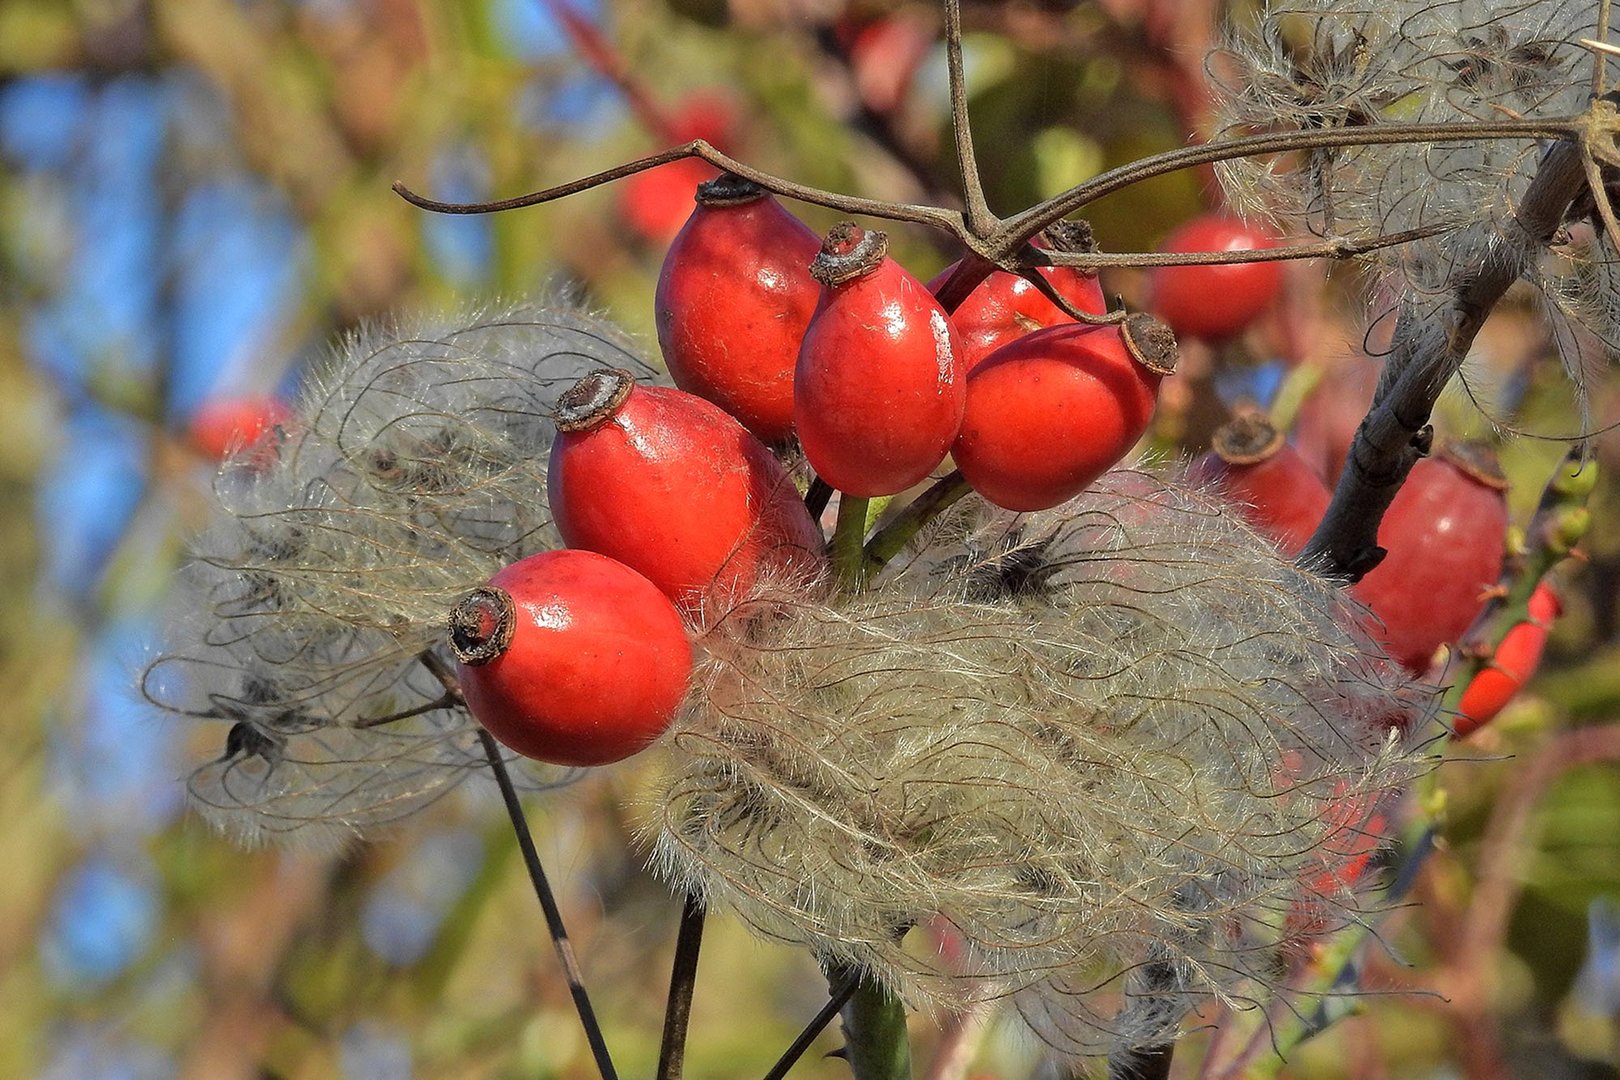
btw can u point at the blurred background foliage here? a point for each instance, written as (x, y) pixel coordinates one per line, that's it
(195, 199)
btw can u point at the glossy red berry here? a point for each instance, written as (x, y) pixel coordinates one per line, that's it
(733, 300)
(1220, 301)
(673, 487)
(571, 657)
(878, 391)
(1445, 536)
(1005, 307)
(1273, 487)
(1051, 412)
(1514, 662)
(233, 423)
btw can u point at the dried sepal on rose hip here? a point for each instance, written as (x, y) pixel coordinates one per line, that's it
(1445, 534)
(1005, 306)
(1052, 411)
(878, 389)
(733, 299)
(1275, 490)
(674, 487)
(571, 658)
(1510, 666)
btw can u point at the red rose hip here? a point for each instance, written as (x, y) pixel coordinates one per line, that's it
(673, 487)
(571, 657)
(1275, 490)
(1445, 534)
(1218, 301)
(1051, 412)
(734, 297)
(1005, 306)
(878, 394)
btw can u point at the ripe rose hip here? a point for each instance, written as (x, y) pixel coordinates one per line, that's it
(1004, 306)
(673, 487)
(1275, 490)
(1514, 662)
(571, 657)
(1214, 302)
(1445, 534)
(1054, 410)
(733, 300)
(877, 394)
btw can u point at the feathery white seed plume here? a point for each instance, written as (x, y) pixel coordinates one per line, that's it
(414, 468)
(1094, 740)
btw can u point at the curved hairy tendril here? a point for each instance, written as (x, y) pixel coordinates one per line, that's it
(414, 468)
(1092, 742)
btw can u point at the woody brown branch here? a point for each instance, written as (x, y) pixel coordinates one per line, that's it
(1428, 349)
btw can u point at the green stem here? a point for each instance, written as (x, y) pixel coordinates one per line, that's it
(875, 1039)
(848, 537)
(893, 537)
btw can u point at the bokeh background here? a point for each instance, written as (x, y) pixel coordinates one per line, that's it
(194, 201)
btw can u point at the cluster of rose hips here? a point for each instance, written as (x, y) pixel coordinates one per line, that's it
(1445, 535)
(672, 502)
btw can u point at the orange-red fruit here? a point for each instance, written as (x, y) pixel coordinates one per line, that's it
(571, 657)
(656, 202)
(1050, 413)
(1214, 302)
(673, 487)
(733, 300)
(232, 423)
(878, 391)
(1004, 306)
(1445, 533)
(1275, 490)
(1510, 668)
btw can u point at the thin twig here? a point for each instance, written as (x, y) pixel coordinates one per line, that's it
(1019, 228)
(949, 220)
(682, 978)
(980, 221)
(1343, 247)
(548, 904)
(595, 49)
(537, 877)
(835, 1003)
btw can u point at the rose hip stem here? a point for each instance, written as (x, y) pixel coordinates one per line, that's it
(537, 877)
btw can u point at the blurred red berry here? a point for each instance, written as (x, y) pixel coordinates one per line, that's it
(1512, 665)
(1328, 418)
(225, 424)
(1214, 302)
(1275, 490)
